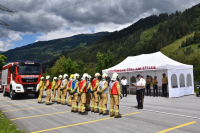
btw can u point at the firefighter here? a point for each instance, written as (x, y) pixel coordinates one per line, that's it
(103, 91)
(59, 84)
(41, 89)
(95, 96)
(48, 90)
(82, 94)
(64, 89)
(70, 97)
(54, 88)
(74, 92)
(114, 96)
(88, 94)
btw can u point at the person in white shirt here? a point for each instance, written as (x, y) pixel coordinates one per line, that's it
(140, 86)
(124, 87)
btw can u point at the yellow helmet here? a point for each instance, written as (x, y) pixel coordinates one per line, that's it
(71, 76)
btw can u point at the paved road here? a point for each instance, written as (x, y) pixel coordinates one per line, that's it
(177, 115)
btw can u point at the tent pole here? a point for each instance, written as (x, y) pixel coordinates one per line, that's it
(129, 83)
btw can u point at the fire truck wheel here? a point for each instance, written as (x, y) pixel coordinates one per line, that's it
(12, 95)
(4, 92)
(36, 94)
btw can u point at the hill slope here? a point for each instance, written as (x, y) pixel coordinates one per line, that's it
(148, 35)
(45, 51)
(171, 48)
(187, 55)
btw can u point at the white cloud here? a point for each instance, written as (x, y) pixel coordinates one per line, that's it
(5, 45)
(14, 36)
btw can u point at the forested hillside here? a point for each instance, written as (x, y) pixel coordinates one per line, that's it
(44, 51)
(147, 35)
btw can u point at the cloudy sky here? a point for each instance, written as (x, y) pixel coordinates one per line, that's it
(40, 20)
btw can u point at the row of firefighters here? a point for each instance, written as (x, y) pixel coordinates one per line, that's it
(81, 93)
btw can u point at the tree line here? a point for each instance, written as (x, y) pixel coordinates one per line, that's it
(192, 40)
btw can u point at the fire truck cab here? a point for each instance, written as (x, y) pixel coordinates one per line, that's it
(21, 78)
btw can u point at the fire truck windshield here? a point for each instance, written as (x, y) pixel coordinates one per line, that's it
(29, 69)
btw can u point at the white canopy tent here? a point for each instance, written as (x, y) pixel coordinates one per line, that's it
(180, 76)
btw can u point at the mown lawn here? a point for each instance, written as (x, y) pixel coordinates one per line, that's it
(6, 126)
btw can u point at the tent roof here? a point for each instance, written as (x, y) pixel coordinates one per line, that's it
(154, 61)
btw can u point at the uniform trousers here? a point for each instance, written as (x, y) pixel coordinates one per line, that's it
(124, 90)
(40, 95)
(140, 97)
(53, 95)
(148, 89)
(48, 96)
(164, 90)
(103, 103)
(155, 90)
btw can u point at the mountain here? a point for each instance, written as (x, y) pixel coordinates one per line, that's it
(148, 35)
(1, 52)
(44, 51)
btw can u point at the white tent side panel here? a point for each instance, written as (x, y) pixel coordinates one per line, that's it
(181, 82)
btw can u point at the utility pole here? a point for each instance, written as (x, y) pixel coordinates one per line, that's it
(3, 8)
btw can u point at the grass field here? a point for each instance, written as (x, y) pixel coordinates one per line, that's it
(175, 45)
(6, 126)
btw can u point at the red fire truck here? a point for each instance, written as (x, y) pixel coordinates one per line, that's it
(21, 78)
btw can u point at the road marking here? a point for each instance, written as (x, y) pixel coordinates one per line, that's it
(8, 101)
(38, 115)
(172, 114)
(183, 125)
(81, 123)
(165, 113)
(31, 108)
(17, 104)
(17, 101)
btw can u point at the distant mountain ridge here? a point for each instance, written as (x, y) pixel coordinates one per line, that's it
(44, 51)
